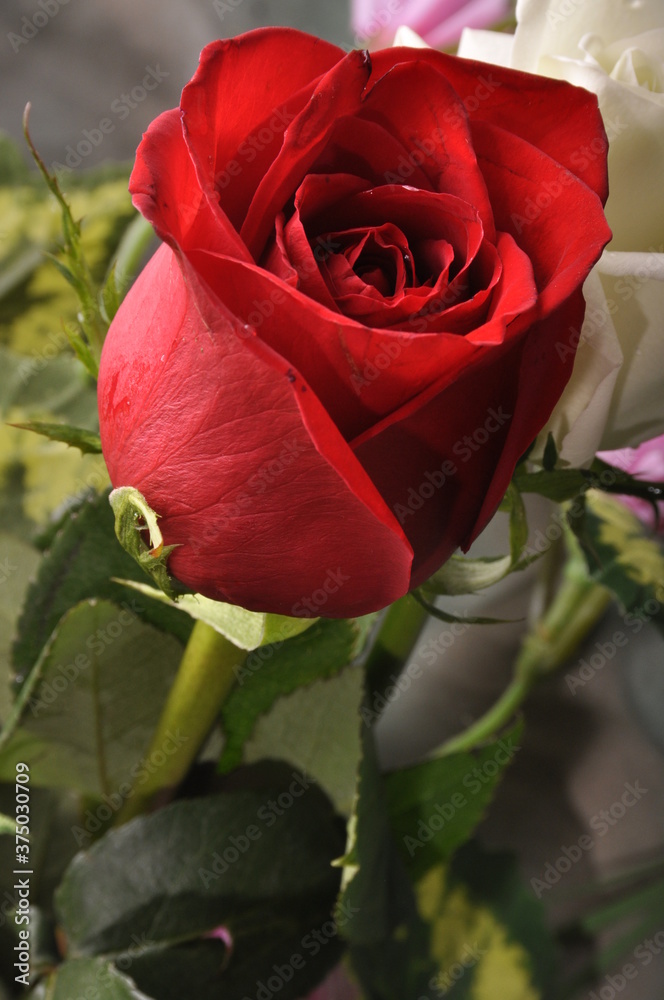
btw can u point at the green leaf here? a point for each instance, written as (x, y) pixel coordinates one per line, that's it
(460, 575)
(402, 946)
(87, 977)
(557, 484)
(36, 475)
(86, 441)
(366, 885)
(82, 560)
(246, 629)
(481, 903)
(377, 910)
(48, 386)
(37, 307)
(280, 669)
(87, 711)
(435, 806)
(316, 729)
(132, 252)
(255, 861)
(622, 555)
(18, 563)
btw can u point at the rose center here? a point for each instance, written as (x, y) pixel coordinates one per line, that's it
(377, 258)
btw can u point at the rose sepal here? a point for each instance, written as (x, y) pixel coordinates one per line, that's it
(133, 516)
(246, 629)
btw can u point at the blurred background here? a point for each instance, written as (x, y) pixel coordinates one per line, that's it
(84, 63)
(78, 61)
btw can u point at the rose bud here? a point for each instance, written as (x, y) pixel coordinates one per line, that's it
(324, 378)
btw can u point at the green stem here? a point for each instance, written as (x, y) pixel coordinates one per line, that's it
(206, 675)
(396, 639)
(577, 607)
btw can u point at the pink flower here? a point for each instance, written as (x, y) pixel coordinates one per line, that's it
(439, 22)
(645, 462)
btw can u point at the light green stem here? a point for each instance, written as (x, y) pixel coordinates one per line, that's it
(577, 607)
(206, 675)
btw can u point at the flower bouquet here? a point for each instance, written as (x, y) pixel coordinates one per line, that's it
(363, 321)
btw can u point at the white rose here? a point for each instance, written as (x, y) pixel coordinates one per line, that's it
(614, 48)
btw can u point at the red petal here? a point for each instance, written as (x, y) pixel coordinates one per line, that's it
(337, 94)
(254, 483)
(553, 216)
(435, 462)
(553, 115)
(415, 103)
(545, 368)
(358, 373)
(165, 190)
(235, 95)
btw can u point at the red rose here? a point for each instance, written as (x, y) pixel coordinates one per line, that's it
(323, 380)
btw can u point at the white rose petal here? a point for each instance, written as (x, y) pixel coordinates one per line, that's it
(614, 48)
(487, 46)
(634, 121)
(555, 28)
(634, 287)
(579, 419)
(409, 38)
